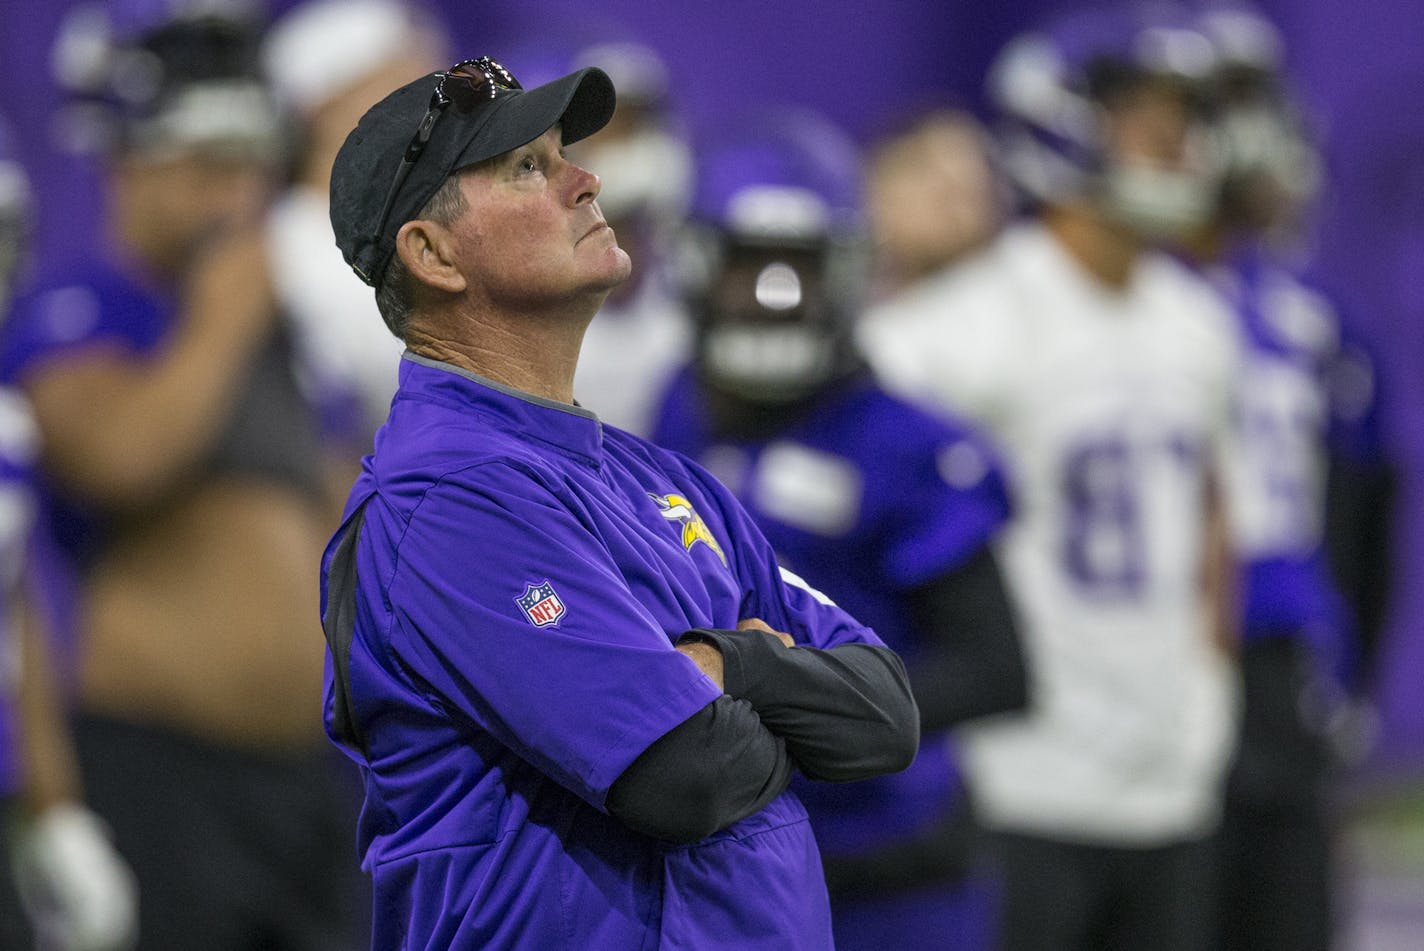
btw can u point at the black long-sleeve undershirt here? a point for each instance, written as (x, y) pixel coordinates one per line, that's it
(845, 713)
(1360, 502)
(970, 662)
(716, 767)
(839, 714)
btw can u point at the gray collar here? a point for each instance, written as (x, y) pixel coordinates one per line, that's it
(572, 408)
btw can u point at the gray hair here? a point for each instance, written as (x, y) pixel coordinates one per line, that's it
(395, 296)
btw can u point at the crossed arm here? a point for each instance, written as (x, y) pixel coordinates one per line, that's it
(840, 714)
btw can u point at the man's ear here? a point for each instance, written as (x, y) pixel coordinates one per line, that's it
(426, 250)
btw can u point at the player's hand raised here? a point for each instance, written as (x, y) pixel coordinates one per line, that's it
(229, 285)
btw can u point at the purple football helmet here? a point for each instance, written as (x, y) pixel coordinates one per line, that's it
(778, 265)
(1054, 86)
(1271, 164)
(156, 74)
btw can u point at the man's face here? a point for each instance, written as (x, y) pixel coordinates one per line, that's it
(1149, 124)
(1161, 175)
(175, 204)
(533, 233)
(932, 195)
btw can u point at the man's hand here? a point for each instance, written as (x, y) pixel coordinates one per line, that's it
(845, 712)
(229, 284)
(757, 624)
(707, 658)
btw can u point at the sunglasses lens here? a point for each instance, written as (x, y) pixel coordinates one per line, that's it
(473, 83)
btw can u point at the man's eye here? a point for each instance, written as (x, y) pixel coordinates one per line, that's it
(528, 165)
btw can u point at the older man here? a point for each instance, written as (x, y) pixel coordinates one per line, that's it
(556, 649)
(64, 885)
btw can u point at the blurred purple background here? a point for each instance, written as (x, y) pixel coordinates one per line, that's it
(1359, 65)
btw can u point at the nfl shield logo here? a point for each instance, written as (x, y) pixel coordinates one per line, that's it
(540, 604)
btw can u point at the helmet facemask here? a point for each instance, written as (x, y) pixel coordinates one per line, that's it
(769, 330)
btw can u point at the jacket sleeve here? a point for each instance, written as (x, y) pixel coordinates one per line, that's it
(845, 712)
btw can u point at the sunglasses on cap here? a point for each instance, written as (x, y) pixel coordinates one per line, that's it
(469, 86)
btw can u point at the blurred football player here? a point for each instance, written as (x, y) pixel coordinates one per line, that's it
(933, 196)
(888, 510)
(1103, 369)
(183, 478)
(1308, 420)
(328, 61)
(75, 891)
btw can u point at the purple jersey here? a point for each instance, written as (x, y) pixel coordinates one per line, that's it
(91, 306)
(17, 447)
(869, 497)
(523, 572)
(1292, 418)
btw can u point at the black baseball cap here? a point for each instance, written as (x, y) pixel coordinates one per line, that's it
(367, 164)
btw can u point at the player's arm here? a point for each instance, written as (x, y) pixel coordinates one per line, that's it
(1220, 585)
(714, 769)
(1361, 486)
(845, 712)
(50, 770)
(1359, 538)
(972, 664)
(1219, 570)
(119, 428)
(76, 888)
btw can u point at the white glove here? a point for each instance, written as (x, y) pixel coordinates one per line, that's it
(79, 893)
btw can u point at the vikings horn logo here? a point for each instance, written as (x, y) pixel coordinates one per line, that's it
(675, 508)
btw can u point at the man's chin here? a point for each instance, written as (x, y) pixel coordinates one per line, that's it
(609, 277)
(620, 268)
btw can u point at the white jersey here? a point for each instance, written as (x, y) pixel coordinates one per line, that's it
(629, 354)
(343, 344)
(1110, 408)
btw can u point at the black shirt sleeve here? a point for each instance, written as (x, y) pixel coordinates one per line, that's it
(845, 713)
(1360, 510)
(972, 662)
(716, 767)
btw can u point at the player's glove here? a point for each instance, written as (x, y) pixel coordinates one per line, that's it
(78, 892)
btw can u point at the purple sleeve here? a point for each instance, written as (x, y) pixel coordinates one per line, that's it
(951, 503)
(68, 315)
(515, 616)
(1356, 393)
